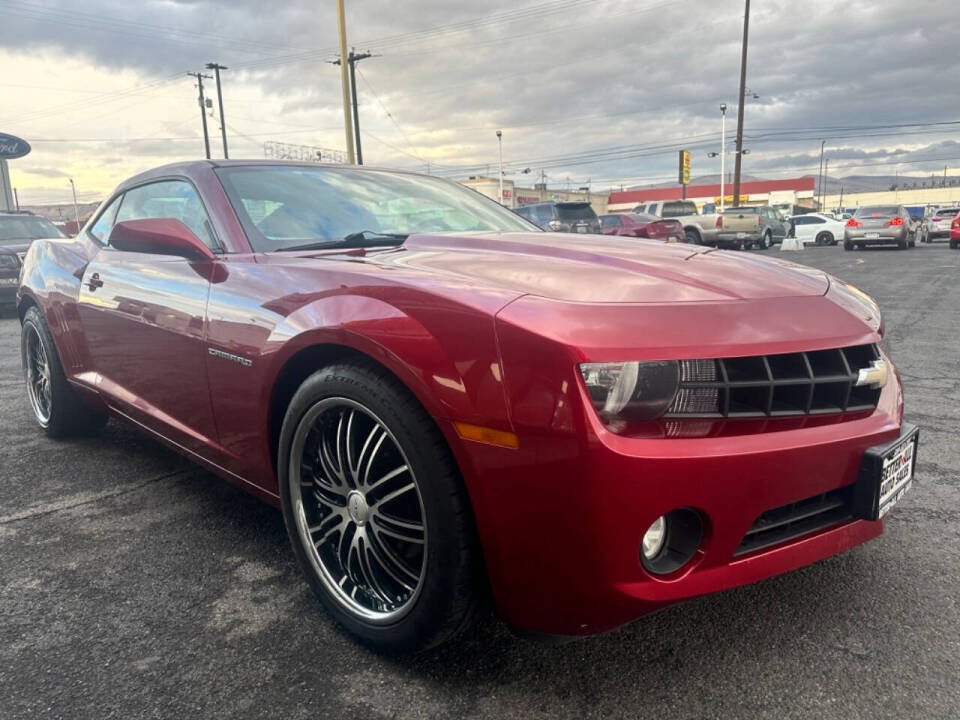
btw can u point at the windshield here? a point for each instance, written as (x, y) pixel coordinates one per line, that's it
(16, 228)
(878, 211)
(288, 207)
(947, 213)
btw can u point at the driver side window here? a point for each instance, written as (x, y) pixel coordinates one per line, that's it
(175, 199)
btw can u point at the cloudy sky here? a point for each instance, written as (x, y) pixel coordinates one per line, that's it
(599, 91)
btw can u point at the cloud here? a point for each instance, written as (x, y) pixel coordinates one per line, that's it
(605, 90)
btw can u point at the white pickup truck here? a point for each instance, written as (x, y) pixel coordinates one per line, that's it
(699, 229)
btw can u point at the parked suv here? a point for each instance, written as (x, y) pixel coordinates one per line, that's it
(937, 224)
(572, 217)
(879, 225)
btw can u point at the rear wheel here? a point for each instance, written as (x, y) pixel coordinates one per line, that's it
(847, 245)
(55, 405)
(376, 510)
(825, 238)
(954, 244)
(902, 244)
(693, 237)
(766, 240)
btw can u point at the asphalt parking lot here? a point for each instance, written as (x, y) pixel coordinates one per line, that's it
(133, 584)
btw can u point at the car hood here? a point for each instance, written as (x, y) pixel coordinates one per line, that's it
(603, 269)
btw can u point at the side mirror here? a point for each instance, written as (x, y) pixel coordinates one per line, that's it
(159, 236)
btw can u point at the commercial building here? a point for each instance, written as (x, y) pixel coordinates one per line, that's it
(797, 192)
(934, 196)
(514, 196)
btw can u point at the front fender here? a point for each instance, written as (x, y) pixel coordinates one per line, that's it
(458, 378)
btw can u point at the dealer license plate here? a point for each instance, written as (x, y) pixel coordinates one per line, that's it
(872, 236)
(7, 282)
(672, 238)
(886, 474)
(582, 228)
(741, 236)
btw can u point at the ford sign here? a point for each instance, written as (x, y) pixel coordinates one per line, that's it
(12, 147)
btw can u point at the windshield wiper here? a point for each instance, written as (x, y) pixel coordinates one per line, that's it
(361, 239)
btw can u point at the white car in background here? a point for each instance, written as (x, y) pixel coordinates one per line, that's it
(816, 229)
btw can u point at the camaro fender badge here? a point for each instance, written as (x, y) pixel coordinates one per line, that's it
(875, 376)
(235, 358)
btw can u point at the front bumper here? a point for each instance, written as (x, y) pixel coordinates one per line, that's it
(562, 517)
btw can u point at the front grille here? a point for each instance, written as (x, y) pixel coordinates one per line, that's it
(800, 518)
(805, 383)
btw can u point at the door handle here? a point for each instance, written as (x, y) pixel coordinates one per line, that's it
(95, 282)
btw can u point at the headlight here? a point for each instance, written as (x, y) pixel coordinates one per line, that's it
(856, 302)
(631, 390)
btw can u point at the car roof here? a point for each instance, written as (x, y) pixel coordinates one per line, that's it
(190, 168)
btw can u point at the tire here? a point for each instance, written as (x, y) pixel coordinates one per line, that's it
(847, 245)
(824, 239)
(739, 245)
(954, 244)
(435, 590)
(766, 241)
(55, 404)
(902, 245)
(693, 237)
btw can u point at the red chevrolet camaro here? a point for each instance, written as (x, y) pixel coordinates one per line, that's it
(450, 404)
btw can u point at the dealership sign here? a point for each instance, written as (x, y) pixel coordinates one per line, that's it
(12, 147)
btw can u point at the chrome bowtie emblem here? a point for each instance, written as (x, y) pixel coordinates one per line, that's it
(875, 376)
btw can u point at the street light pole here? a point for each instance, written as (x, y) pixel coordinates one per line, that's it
(743, 88)
(723, 155)
(345, 82)
(500, 151)
(820, 178)
(76, 210)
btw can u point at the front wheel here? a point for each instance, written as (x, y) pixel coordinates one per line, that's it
(55, 405)
(766, 240)
(376, 510)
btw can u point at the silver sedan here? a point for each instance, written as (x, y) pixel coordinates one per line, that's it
(879, 225)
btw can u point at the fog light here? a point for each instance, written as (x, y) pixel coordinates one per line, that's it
(671, 541)
(654, 538)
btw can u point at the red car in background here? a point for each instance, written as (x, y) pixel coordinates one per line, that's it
(955, 233)
(640, 225)
(448, 403)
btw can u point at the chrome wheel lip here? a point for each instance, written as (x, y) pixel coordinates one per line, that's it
(36, 368)
(331, 583)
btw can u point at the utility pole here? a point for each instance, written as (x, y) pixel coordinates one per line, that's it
(76, 210)
(203, 109)
(820, 177)
(743, 88)
(723, 155)
(216, 67)
(944, 176)
(352, 59)
(500, 148)
(345, 82)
